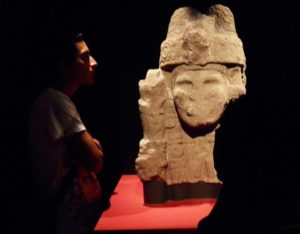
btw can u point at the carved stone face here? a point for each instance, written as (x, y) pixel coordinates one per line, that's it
(200, 96)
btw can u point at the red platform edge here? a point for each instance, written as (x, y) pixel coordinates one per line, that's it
(128, 212)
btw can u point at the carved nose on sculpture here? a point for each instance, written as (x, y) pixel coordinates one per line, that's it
(190, 111)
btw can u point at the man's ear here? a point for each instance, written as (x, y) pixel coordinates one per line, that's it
(64, 67)
(236, 82)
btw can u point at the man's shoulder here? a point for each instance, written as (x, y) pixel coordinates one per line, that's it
(52, 96)
(51, 93)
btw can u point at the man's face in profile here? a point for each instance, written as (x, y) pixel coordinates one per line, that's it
(83, 69)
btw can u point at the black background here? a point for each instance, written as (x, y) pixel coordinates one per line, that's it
(257, 146)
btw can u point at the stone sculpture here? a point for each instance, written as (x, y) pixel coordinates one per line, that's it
(201, 69)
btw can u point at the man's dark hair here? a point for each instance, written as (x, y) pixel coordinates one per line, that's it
(65, 47)
(58, 47)
(53, 42)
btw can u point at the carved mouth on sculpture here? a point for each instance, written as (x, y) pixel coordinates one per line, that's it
(198, 131)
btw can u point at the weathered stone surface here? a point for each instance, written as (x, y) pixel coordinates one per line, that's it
(202, 68)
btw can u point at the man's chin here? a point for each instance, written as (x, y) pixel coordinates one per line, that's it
(89, 82)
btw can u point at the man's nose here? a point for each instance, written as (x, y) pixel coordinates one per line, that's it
(93, 62)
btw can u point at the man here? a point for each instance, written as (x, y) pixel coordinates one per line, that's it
(61, 147)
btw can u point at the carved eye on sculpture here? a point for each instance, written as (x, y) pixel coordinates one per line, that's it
(184, 83)
(212, 81)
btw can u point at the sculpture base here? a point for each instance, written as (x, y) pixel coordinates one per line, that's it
(128, 213)
(156, 192)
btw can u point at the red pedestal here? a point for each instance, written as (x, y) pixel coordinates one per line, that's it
(129, 213)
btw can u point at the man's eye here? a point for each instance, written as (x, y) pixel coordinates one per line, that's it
(85, 57)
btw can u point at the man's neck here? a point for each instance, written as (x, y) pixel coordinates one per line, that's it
(68, 89)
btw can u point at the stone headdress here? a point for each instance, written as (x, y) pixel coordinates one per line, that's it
(199, 39)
